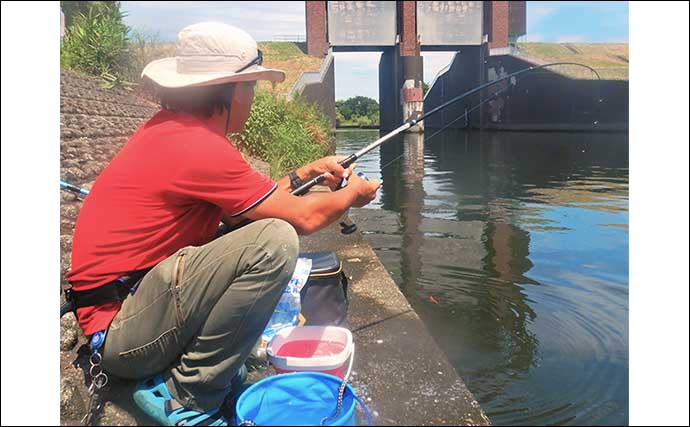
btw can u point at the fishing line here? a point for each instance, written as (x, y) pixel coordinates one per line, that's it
(467, 112)
(492, 97)
(347, 225)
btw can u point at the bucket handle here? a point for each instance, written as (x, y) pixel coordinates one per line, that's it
(346, 378)
(366, 410)
(357, 399)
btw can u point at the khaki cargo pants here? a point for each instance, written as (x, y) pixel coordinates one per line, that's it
(196, 316)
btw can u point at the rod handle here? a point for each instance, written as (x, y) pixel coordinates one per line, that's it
(304, 188)
(346, 162)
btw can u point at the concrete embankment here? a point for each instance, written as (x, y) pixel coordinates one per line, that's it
(399, 371)
(402, 374)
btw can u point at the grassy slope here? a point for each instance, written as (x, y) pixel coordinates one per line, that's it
(286, 56)
(609, 59)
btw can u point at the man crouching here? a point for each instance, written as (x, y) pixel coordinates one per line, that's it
(200, 304)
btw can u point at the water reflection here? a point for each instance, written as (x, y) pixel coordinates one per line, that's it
(410, 206)
(512, 247)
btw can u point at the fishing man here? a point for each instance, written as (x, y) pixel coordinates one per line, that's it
(200, 304)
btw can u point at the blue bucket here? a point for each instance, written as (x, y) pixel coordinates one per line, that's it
(296, 399)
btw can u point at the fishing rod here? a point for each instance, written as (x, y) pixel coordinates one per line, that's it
(73, 189)
(467, 112)
(417, 117)
(348, 226)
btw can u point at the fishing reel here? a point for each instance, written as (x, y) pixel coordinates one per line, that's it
(347, 226)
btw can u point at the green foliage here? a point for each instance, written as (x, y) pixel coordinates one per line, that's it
(357, 106)
(286, 134)
(96, 42)
(339, 119)
(73, 8)
(357, 111)
(425, 88)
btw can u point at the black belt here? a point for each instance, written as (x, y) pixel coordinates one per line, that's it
(114, 291)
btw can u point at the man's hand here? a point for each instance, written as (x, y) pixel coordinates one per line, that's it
(365, 190)
(329, 166)
(313, 211)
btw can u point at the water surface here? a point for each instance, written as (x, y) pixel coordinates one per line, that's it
(513, 249)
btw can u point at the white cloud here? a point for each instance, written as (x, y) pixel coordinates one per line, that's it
(262, 20)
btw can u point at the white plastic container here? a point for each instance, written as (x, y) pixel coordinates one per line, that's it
(311, 348)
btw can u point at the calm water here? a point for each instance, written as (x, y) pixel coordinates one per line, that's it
(513, 249)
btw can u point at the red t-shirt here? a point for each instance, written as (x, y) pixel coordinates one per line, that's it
(166, 189)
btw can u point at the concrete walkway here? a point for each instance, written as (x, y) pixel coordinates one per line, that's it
(399, 372)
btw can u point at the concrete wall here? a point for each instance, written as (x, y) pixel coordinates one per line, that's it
(541, 100)
(319, 88)
(390, 82)
(546, 100)
(463, 75)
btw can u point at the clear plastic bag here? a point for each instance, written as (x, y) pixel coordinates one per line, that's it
(287, 310)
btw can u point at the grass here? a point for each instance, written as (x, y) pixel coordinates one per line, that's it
(358, 121)
(286, 56)
(290, 58)
(284, 133)
(609, 59)
(96, 43)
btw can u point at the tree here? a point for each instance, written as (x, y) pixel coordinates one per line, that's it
(339, 119)
(357, 106)
(358, 110)
(344, 109)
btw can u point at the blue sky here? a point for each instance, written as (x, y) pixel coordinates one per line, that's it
(357, 73)
(577, 21)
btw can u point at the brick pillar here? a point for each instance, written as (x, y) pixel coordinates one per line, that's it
(409, 45)
(517, 24)
(500, 15)
(412, 99)
(317, 40)
(504, 21)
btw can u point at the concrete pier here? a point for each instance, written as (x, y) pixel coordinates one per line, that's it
(399, 372)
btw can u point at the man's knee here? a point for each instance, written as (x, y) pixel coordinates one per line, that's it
(280, 240)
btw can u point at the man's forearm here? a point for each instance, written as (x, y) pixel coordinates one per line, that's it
(323, 208)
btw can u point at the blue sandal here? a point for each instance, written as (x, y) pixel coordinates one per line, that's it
(153, 397)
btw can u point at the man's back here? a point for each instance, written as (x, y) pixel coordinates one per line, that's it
(166, 189)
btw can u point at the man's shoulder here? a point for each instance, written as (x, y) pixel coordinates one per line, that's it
(176, 124)
(170, 130)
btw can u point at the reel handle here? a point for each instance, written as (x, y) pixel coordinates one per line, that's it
(348, 226)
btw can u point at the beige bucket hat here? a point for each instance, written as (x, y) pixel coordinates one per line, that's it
(211, 53)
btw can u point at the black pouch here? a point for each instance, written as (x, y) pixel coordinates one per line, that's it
(324, 296)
